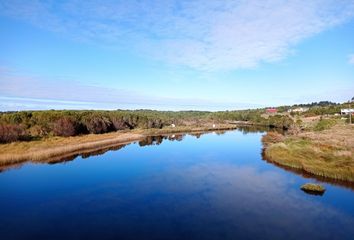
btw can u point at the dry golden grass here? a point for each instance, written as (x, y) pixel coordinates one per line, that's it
(54, 148)
(341, 135)
(59, 147)
(329, 153)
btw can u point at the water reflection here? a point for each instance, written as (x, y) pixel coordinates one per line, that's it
(259, 129)
(66, 157)
(210, 187)
(157, 140)
(148, 141)
(315, 193)
(247, 201)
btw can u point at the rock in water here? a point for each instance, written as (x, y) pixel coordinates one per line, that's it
(313, 188)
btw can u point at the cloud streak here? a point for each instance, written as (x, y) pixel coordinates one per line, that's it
(202, 35)
(23, 92)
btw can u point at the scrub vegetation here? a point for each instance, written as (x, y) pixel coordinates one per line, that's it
(34, 125)
(326, 150)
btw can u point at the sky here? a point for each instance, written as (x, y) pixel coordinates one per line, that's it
(174, 54)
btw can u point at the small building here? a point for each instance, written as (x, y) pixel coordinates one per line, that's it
(173, 125)
(298, 110)
(271, 110)
(346, 111)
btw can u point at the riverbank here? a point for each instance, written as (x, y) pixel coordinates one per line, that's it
(56, 148)
(327, 153)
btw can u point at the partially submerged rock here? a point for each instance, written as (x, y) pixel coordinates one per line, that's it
(313, 188)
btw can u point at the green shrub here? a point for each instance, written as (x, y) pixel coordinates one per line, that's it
(324, 124)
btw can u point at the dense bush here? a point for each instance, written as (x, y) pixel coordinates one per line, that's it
(154, 123)
(11, 133)
(120, 123)
(280, 121)
(64, 127)
(98, 124)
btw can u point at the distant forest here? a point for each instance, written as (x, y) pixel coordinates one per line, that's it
(29, 125)
(317, 104)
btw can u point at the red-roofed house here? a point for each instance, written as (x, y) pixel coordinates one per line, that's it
(271, 110)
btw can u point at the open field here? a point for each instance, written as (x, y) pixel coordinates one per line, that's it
(54, 148)
(327, 153)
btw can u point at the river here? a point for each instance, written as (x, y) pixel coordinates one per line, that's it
(201, 186)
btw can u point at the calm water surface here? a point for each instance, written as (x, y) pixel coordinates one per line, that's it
(215, 186)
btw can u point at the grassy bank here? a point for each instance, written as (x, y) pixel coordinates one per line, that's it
(326, 151)
(55, 148)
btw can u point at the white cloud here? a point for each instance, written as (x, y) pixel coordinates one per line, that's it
(206, 35)
(20, 91)
(351, 59)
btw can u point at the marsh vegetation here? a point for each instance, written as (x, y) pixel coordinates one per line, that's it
(327, 150)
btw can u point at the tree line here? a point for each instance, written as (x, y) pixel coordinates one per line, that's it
(29, 125)
(26, 125)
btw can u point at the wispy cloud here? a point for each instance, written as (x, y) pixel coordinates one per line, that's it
(23, 91)
(203, 35)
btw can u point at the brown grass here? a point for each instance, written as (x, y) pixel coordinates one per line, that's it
(58, 147)
(272, 137)
(329, 153)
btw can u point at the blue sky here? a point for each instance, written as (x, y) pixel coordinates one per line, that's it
(174, 55)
